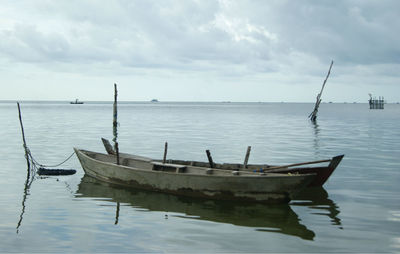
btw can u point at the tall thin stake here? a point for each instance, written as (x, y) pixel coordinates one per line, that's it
(313, 114)
(23, 139)
(165, 152)
(246, 158)
(28, 181)
(115, 123)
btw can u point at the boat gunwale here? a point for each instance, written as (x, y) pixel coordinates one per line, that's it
(242, 174)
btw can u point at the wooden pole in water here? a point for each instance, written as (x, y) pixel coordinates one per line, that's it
(115, 122)
(165, 152)
(246, 159)
(313, 114)
(117, 151)
(210, 160)
(23, 139)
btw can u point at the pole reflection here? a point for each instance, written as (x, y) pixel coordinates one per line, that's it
(30, 176)
(316, 130)
(317, 198)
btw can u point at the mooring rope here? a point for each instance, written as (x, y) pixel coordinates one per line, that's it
(36, 163)
(36, 166)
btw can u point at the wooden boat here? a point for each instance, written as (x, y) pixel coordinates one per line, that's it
(322, 172)
(192, 180)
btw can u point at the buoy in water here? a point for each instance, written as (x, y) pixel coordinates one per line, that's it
(55, 172)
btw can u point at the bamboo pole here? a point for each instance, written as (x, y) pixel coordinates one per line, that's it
(23, 139)
(28, 176)
(165, 152)
(115, 122)
(117, 151)
(313, 114)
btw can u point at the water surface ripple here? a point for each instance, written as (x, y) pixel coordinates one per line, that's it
(357, 210)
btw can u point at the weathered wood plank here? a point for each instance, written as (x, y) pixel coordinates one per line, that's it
(108, 146)
(246, 159)
(210, 160)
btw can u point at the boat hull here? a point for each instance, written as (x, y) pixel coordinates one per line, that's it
(142, 173)
(322, 173)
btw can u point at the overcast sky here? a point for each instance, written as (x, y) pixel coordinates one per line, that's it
(200, 50)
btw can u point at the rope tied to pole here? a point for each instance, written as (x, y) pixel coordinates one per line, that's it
(34, 166)
(42, 169)
(50, 166)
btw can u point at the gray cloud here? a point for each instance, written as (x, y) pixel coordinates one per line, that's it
(225, 38)
(178, 33)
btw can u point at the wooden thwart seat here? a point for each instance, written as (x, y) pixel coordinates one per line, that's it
(168, 167)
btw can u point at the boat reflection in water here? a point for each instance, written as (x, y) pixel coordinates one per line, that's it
(317, 199)
(270, 218)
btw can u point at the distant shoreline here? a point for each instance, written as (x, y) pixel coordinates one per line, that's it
(177, 102)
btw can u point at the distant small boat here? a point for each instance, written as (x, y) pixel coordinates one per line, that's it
(154, 100)
(76, 102)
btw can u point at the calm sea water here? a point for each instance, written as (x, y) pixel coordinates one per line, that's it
(357, 210)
